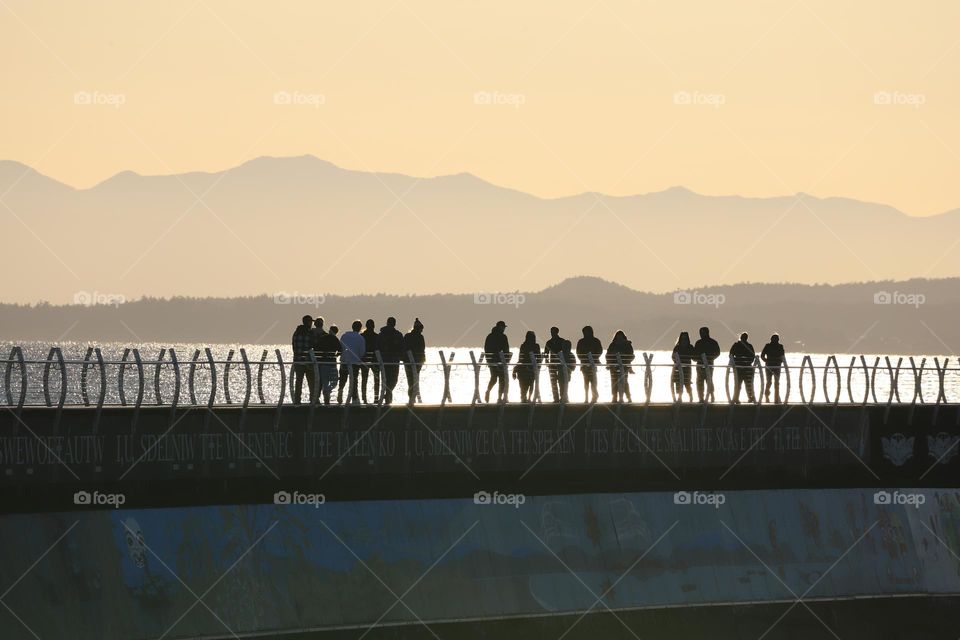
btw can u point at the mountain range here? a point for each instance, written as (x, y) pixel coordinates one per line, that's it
(304, 225)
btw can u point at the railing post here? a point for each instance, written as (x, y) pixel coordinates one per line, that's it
(761, 376)
(383, 377)
(941, 374)
(446, 378)
(263, 359)
(103, 387)
(826, 372)
(156, 376)
(190, 377)
(808, 362)
(176, 384)
(786, 375)
(226, 377)
(213, 378)
(122, 369)
(249, 377)
(16, 354)
(648, 376)
(535, 362)
(621, 382)
(476, 379)
(504, 391)
(283, 390)
(412, 375)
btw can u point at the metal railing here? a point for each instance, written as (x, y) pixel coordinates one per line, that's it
(57, 381)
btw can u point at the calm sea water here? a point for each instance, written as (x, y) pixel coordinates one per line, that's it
(461, 379)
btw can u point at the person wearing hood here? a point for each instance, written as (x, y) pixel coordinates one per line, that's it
(707, 350)
(619, 358)
(391, 350)
(302, 343)
(742, 355)
(683, 355)
(589, 350)
(496, 349)
(525, 370)
(415, 354)
(772, 356)
(560, 361)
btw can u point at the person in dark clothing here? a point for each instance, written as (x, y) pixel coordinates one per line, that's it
(619, 358)
(327, 346)
(414, 354)
(302, 342)
(589, 350)
(525, 370)
(707, 351)
(560, 361)
(496, 349)
(742, 355)
(370, 364)
(772, 356)
(683, 355)
(391, 350)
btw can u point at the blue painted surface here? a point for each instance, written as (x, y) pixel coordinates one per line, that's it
(552, 554)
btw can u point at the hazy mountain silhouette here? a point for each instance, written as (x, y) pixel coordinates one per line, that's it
(303, 224)
(916, 316)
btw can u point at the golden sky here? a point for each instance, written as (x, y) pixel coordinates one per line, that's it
(853, 98)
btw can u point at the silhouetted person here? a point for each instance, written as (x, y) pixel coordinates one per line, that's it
(370, 364)
(318, 327)
(525, 370)
(589, 350)
(327, 346)
(742, 355)
(620, 368)
(707, 349)
(414, 345)
(353, 349)
(497, 353)
(560, 361)
(302, 342)
(683, 355)
(772, 356)
(391, 350)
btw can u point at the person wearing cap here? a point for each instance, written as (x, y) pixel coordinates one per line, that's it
(559, 354)
(589, 350)
(415, 354)
(302, 342)
(496, 349)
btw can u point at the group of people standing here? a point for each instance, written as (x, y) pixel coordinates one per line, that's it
(365, 352)
(742, 356)
(357, 350)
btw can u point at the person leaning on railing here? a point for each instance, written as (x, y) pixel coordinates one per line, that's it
(525, 370)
